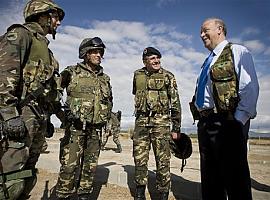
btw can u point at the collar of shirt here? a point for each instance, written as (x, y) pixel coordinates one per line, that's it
(219, 48)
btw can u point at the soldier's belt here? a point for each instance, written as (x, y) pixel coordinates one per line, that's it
(150, 114)
(16, 175)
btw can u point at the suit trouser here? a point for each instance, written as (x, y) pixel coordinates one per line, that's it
(223, 155)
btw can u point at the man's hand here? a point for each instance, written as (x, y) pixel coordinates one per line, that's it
(176, 136)
(14, 128)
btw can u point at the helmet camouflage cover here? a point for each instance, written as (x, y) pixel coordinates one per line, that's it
(35, 7)
(90, 43)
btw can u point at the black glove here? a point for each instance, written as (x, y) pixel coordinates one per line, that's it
(70, 117)
(14, 128)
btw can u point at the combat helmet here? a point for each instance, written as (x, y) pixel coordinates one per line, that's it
(91, 43)
(36, 7)
(181, 148)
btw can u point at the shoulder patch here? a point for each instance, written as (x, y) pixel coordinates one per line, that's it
(12, 36)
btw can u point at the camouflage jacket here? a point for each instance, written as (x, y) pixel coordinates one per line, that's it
(156, 99)
(89, 94)
(17, 46)
(114, 123)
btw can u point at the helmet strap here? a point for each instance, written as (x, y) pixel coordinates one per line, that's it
(50, 26)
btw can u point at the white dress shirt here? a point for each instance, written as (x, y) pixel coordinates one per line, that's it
(248, 82)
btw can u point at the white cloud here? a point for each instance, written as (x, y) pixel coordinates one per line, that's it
(11, 14)
(267, 51)
(263, 106)
(256, 46)
(235, 40)
(180, 36)
(251, 31)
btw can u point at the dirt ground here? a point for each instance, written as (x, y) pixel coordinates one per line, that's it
(259, 160)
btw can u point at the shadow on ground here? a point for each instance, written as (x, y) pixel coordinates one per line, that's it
(49, 194)
(181, 188)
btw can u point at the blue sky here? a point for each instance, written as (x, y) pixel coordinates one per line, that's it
(172, 26)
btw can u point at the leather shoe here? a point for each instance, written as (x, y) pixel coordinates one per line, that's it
(164, 195)
(140, 192)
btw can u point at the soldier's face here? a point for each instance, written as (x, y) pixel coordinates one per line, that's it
(152, 63)
(94, 56)
(55, 20)
(49, 22)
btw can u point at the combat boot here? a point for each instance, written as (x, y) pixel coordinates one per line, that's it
(64, 198)
(84, 197)
(164, 195)
(119, 148)
(140, 192)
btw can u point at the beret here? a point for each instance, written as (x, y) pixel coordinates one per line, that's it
(150, 51)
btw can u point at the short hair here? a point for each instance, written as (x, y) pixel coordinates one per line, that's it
(220, 23)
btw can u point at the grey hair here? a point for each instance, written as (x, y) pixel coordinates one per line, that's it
(220, 23)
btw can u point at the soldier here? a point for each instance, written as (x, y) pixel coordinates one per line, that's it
(89, 102)
(113, 128)
(224, 102)
(28, 92)
(157, 110)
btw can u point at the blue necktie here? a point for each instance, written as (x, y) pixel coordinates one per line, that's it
(203, 80)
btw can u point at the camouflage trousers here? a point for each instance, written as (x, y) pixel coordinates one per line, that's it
(159, 138)
(79, 152)
(115, 133)
(20, 157)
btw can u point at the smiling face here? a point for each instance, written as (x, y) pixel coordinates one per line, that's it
(212, 33)
(152, 63)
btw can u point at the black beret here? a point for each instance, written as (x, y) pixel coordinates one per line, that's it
(150, 51)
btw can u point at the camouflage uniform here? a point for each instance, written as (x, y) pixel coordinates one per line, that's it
(89, 99)
(28, 91)
(157, 110)
(113, 128)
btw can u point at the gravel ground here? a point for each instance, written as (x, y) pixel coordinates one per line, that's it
(185, 186)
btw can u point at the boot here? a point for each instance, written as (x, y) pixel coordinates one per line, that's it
(119, 148)
(84, 197)
(140, 192)
(164, 195)
(64, 198)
